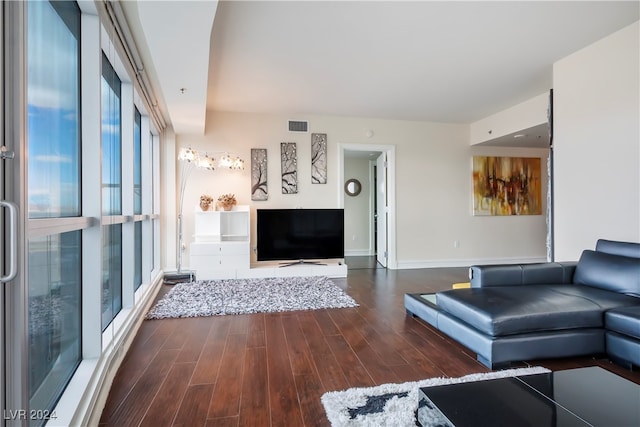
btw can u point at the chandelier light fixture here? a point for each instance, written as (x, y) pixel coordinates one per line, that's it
(190, 160)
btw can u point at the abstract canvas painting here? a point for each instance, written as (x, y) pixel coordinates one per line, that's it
(259, 188)
(318, 158)
(507, 186)
(289, 167)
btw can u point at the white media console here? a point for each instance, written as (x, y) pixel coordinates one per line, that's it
(221, 250)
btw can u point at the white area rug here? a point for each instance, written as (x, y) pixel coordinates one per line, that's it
(241, 296)
(395, 404)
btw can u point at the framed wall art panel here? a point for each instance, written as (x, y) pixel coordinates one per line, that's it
(289, 167)
(318, 158)
(507, 186)
(259, 187)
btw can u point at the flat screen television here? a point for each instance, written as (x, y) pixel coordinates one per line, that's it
(300, 234)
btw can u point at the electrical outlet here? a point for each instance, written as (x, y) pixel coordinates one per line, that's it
(354, 237)
(456, 243)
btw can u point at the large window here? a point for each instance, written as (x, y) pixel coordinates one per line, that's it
(90, 221)
(54, 315)
(111, 140)
(111, 192)
(53, 168)
(137, 163)
(111, 272)
(137, 197)
(53, 109)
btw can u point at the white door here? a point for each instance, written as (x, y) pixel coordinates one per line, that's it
(381, 209)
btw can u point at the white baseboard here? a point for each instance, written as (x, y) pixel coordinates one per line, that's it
(412, 264)
(358, 252)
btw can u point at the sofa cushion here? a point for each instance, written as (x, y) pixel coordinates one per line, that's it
(624, 320)
(610, 272)
(511, 310)
(618, 248)
(606, 300)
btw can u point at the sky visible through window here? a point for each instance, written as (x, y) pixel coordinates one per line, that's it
(53, 114)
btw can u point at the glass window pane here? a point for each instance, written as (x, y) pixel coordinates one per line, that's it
(55, 316)
(111, 273)
(152, 161)
(137, 163)
(111, 141)
(137, 273)
(53, 115)
(155, 228)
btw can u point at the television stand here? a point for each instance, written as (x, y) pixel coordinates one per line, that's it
(300, 262)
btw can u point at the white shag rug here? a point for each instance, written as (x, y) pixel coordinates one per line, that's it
(395, 404)
(241, 296)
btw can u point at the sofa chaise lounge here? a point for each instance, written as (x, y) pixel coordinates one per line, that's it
(545, 310)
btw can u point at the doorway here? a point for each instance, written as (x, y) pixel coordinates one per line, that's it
(370, 217)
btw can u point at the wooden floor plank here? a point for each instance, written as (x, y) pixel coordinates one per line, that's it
(352, 368)
(208, 365)
(255, 331)
(196, 330)
(142, 394)
(254, 406)
(285, 407)
(299, 352)
(376, 368)
(326, 324)
(194, 407)
(310, 392)
(227, 392)
(164, 407)
(134, 364)
(177, 337)
(223, 422)
(327, 366)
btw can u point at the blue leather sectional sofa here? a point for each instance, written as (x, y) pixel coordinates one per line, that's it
(547, 310)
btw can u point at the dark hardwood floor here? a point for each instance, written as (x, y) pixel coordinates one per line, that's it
(271, 369)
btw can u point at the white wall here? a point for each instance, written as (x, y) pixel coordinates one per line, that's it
(433, 183)
(597, 144)
(357, 209)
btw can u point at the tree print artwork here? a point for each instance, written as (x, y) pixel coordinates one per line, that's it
(289, 166)
(318, 158)
(259, 189)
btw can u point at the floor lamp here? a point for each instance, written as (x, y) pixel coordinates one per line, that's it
(192, 159)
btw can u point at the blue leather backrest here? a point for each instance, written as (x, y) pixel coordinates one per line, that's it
(546, 273)
(618, 248)
(610, 272)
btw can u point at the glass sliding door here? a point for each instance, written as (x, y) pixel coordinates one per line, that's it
(5, 245)
(53, 265)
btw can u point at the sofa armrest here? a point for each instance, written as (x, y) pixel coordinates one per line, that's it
(547, 273)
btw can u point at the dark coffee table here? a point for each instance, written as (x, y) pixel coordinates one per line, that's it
(576, 397)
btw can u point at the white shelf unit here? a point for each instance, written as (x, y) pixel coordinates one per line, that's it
(222, 243)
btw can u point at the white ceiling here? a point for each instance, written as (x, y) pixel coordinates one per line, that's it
(448, 61)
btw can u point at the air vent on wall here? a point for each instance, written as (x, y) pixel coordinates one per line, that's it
(298, 126)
